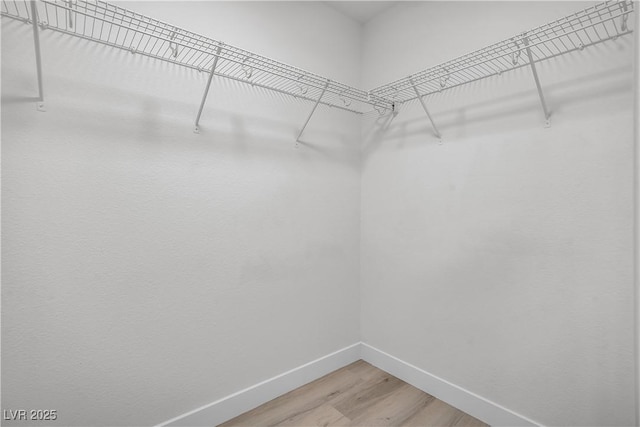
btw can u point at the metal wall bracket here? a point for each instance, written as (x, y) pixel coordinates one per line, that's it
(545, 109)
(36, 41)
(324, 89)
(424, 107)
(196, 129)
(393, 115)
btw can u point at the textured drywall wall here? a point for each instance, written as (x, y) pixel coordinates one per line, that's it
(147, 270)
(502, 259)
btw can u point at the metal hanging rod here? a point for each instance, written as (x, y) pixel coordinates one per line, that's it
(115, 26)
(599, 23)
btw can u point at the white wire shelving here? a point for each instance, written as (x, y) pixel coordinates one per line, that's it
(597, 24)
(111, 25)
(118, 27)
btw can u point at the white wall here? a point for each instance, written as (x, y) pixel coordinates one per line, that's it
(502, 260)
(148, 270)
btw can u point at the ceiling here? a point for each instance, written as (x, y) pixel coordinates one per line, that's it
(361, 11)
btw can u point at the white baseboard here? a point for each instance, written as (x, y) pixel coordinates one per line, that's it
(244, 400)
(465, 400)
(237, 403)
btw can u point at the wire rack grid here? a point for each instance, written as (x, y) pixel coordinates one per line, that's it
(115, 26)
(599, 23)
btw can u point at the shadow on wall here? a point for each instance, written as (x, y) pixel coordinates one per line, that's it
(145, 119)
(236, 115)
(15, 99)
(457, 122)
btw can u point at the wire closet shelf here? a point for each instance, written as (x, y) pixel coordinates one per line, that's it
(118, 27)
(599, 23)
(115, 26)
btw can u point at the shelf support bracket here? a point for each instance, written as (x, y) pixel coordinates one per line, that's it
(547, 114)
(36, 41)
(196, 129)
(324, 89)
(394, 113)
(424, 107)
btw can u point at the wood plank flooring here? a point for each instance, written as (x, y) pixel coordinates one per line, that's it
(356, 395)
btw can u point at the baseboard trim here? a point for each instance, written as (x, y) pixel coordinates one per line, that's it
(465, 400)
(240, 402)
(244, 400)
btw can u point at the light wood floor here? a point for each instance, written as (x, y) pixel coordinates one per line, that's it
(356, 395)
